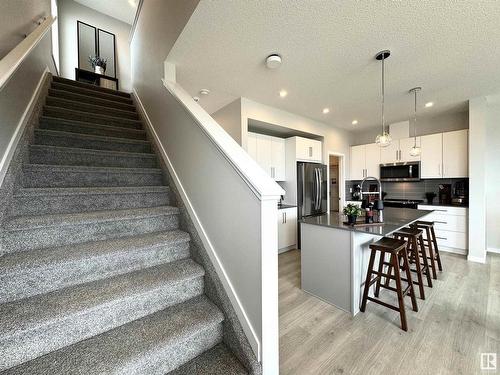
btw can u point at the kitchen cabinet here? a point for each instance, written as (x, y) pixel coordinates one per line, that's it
(445, 155)
(308, 149)
(365, 161)
(269, 152)
(450, 225)
(399, 151)
(287, 228)
(431, 156)
(455, 154)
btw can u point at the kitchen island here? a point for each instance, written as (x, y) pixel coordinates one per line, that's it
(334, 256)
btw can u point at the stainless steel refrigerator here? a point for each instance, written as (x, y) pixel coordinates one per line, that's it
(311, 191)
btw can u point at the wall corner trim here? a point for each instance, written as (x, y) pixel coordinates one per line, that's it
(226, 282)
(11, 147)
(493, 250)
(476, 259)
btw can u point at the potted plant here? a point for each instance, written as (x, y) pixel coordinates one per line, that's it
(98, 64)
(430, 196)
(352, 212)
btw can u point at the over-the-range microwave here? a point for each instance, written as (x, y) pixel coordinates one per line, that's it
(407, 171)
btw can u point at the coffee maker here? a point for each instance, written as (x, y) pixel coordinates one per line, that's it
(444, 194)
(460, 193)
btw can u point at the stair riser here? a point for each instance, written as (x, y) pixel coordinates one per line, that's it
(91, 100)
(30, 282)
(60, 157)
(177, 354)
(90, 117)
(90, 87)
(92, 93)
(37, 238)
(64, 140)
(39, 205)
(85, 107)
(74, 328)
(37, 178)
(74, 128)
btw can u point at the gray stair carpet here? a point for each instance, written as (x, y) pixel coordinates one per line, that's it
(95, 272)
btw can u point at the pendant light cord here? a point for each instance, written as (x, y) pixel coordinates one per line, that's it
(383, 94)
(415, 122)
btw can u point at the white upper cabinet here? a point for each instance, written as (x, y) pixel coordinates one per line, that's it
(365, 161)
(405, 145)
(431, 156)
(269, 152)
(455, 154)
(308, 149)
(399, 151)
(372, 153)
(390, 154)
(358, 162)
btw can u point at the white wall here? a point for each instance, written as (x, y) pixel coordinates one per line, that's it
(229, 117)
(484, 176)
(426, 125)
(69, 13)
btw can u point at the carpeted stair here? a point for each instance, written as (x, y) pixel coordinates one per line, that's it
(96, 275)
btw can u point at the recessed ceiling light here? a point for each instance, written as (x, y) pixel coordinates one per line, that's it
(196, 99)
(354, 122)
(283, 93)
(326, 110)
(428, 105)
(273, 61)
(204, 91)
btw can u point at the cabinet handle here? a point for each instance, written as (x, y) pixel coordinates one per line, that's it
(441, 222)
(285, 217)
(397, 155)
(441, 238)
(310, 152)
(400, 158)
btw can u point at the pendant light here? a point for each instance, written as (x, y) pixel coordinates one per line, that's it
(415, 150)
(384, 139)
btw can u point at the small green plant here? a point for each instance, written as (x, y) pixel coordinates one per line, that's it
(97, 61)
(352, 210)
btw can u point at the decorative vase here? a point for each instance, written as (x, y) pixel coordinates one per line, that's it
(99, 70)
(351, 219)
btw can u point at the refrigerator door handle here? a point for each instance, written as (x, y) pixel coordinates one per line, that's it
(320, 187)
(318, 191)
(315, 189)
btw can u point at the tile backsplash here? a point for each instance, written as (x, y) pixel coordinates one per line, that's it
(408, 190)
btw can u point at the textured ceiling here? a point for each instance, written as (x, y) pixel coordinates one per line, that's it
(450, 48)
(124, 10)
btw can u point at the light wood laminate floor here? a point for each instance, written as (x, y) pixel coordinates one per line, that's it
(459, 319)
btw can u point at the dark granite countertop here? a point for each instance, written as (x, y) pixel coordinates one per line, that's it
(283, 206)
(394, 219)
(437, 204)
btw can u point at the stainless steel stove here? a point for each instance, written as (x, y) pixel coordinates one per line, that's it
(402, 203)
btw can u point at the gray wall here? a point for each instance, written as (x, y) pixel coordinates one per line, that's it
(493, 178)
(69, 13)
(16, 94)
(426, 125)
(229, 117)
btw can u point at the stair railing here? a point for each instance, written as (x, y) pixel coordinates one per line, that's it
(10, 62)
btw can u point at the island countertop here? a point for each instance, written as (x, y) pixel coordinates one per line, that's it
(394, 219)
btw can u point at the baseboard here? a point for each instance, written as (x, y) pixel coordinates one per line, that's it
(493, 250)
(453, 250)
(285, 249)
(11, 147)
(219, 269)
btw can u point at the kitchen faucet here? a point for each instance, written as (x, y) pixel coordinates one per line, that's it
(380, 211)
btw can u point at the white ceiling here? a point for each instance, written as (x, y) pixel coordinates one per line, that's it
(450, 48)
(124, 10)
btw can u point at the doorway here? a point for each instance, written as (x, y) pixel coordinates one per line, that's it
(334, 182)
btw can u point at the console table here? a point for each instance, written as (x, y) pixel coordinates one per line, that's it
(96, 79)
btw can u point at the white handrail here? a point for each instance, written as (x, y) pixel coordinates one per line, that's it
(11, 61)
(260, 183)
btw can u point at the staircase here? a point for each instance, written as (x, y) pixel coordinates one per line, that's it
(96, 276)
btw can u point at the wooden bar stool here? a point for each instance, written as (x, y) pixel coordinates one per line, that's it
(431, 243)
(397, 251)
(417, 255)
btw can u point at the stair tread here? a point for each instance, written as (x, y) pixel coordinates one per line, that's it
(28, 260)
(62, 101)
(51, 220)
(90, 86)
(105, 102)
(218, 360)
(120, 350)
(85, 124)
(95, 115)
(84, 168)
(89, 92)
(38, 310)
(23, 192)
(93, 137)
(95, 151)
